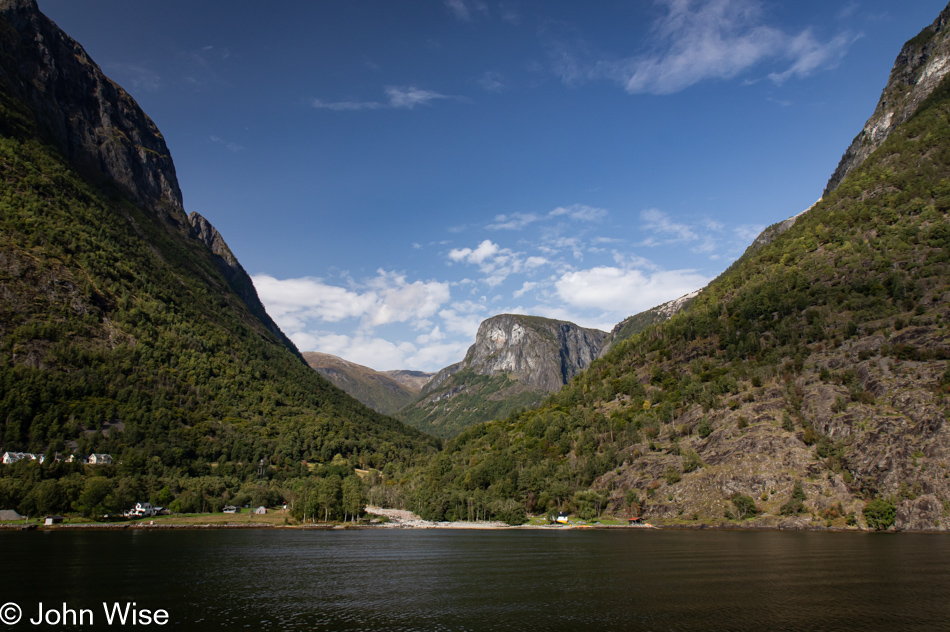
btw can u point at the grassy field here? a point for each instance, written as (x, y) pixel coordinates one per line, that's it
(271, 518)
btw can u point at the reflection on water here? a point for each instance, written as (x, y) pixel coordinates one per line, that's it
(489, 580)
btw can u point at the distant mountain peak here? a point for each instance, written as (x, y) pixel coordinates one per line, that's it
(516, 361)
(380, 391)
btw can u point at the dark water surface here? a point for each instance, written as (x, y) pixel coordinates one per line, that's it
(485, 580)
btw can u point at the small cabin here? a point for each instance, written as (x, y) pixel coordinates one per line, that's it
(53, 520)
(99, 459)
(637, 520)
(231, 509)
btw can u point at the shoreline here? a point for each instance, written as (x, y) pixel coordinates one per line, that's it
(403, 519)
(93, 526)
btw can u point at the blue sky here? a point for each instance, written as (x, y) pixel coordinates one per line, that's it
(392, 173)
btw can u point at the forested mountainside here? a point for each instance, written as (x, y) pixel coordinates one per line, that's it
(377, 390)
(516, 362)
(121, 331)
(807, 386)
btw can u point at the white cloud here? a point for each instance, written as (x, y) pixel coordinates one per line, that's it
(698, 40)
(346, 106)
(373, 352)
(136, 77)
(400, 301)
(296, 304)
(527, 286)
(404, 98)
(495, 262)
(629, 291)
(463, 8)
(660, 223)
(492, 82)
(293, 302)
(464, 318)
(410, 96)
(433, 336)
(483, 251)
(580, 212)
(434, 357)
(232, 147)
(748, 232)
(516, 221)
(809, 55)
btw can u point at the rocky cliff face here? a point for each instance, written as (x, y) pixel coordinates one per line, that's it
(921, 65)
(515, 362)
(93, 121)
(538, 352)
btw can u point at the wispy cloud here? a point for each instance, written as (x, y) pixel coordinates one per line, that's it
(410, 97)
(464, 9)
(580, 212)
(577, 212)
(515, 221)
(809, 54)
(404, 98)
(492, 82)
(137, 77)
(666, 229)
(232, 147)
(699, 40)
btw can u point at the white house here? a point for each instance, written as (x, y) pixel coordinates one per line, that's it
(99, 459)
(141, 510)
(13, 457)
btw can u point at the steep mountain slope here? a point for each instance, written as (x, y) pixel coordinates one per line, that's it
(806, 386)
(920, 67)
(633, 325)
(515, 362)
(377, 390)
(238, 279)
(120, 327)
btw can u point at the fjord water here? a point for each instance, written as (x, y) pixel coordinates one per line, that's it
(487, 580)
